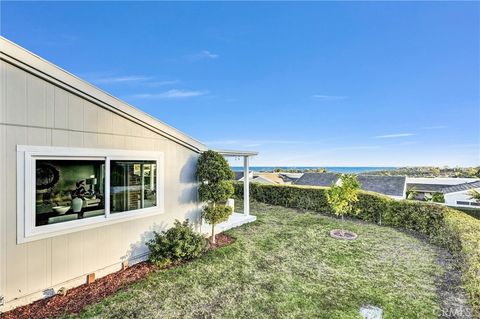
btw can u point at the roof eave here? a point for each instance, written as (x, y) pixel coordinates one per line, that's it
(32, 63)
(234, 153)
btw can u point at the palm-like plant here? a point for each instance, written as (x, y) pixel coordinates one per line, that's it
(475, 195)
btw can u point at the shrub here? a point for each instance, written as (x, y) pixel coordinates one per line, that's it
(177, 244)
(449, 228)
(438, 197)
(462, 236)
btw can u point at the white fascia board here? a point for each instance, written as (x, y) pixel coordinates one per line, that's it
(28, 61)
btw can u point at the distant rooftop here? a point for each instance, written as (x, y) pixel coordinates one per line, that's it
(317, 179)
(387, 185)
(461, 187)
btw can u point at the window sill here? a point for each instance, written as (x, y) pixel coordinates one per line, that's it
(73, 226)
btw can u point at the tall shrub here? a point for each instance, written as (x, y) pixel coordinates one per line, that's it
(216, 186)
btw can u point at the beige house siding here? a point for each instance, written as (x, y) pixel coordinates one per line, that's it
(35, 111)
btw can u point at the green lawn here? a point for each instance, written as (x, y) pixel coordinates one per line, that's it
(286, 265)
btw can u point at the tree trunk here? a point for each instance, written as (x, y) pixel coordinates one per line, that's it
(213, 234)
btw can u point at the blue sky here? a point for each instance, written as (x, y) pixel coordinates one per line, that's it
(314, 84)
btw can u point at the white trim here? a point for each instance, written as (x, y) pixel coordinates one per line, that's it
(26, 156)
(246, 187)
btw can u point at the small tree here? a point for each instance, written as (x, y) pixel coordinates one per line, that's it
(216, 186)
(342, 198)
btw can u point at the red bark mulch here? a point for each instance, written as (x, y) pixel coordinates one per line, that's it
(77, 298)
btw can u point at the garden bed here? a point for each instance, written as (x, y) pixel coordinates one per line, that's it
(77, 298)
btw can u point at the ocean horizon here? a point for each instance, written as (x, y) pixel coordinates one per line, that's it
(334, 169)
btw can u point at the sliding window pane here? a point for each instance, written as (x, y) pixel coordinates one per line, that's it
(133, 185)
(68, 190)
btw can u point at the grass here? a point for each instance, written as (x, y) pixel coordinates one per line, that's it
(286, 265)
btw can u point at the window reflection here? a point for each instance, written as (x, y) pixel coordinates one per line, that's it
(132, 185)
(68, 190)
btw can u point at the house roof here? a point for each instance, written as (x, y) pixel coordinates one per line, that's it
(238, 175)
(273, 177)
(461, 187)
(434, 188)
(262, 180)
(32, 63)
(317, 179)
(388, 185)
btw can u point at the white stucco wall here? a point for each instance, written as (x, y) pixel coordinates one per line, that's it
(451, 199)
(35, 111)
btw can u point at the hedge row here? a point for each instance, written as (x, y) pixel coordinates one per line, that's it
(452, 229)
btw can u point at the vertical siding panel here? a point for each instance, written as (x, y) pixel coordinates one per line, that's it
(59, 260)
(91, 117)
(90, 140)
(49, 105)
(37, 258)
(60, 138)
(75, 113)
(16, 95)
(36, 111)
(3, 91)
(37, 266)
(3, 181)
(105, 121)
(60, 108)
(90, 251)
(74, 254)
(75, 139)
(3, 208)
(16, 254)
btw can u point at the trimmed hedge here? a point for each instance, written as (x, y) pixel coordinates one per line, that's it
(449, 228)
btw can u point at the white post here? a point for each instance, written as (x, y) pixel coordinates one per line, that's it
(246, 187)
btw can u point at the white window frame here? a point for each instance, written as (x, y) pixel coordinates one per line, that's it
(26, 181)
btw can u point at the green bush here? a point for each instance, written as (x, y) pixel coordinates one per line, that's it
(177, 244)
(449, 228)
(462, 236)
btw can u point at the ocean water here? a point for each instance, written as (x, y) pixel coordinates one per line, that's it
(334, 169)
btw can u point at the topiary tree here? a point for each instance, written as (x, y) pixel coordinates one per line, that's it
(216, 186)
(342, 198)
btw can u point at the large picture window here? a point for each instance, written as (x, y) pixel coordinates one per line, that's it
(67, 190)
(60, 189)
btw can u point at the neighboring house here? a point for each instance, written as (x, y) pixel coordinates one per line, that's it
(84, 179)
(455, 190)
(458, 195)
(239, 176)
(317, 179)
(392, 186)
(263, 178)
(290, 178)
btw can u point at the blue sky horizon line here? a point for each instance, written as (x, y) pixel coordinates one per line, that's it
(316, 84)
